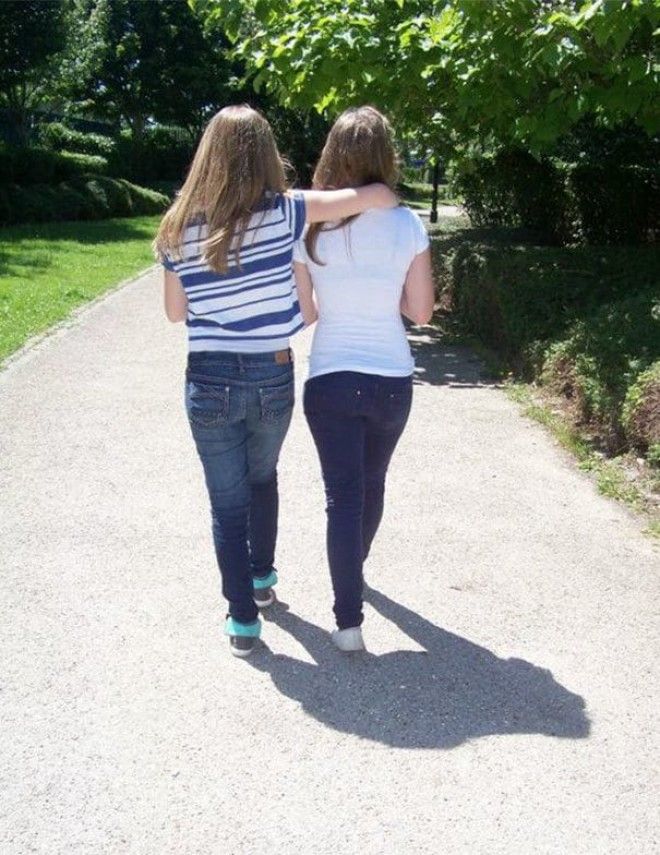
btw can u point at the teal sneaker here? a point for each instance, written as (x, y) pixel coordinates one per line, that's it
(264, 595)
(242, 636)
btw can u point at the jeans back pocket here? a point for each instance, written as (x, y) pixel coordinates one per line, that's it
(207, 405)
(276, 402)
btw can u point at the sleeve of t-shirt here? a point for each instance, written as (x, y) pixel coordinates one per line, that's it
(294, 212)
(165, 259)
(420, 235)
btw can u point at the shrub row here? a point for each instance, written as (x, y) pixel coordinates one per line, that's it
(90, 197)
(162, 155)
(584, 321)
(604, 202)
(28, 166)
(59, 137)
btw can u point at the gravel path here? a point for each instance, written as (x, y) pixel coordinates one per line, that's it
(508, 700)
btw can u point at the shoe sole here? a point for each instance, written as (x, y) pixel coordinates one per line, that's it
(263, 604)
(241, 654)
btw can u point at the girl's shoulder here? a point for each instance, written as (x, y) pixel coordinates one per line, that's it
(407, 214)
(412, 220)
(397, 218)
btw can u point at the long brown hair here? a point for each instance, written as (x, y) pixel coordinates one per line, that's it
(235, 166)
(359, 150)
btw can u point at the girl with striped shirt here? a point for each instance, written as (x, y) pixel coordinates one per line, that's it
(226, 244)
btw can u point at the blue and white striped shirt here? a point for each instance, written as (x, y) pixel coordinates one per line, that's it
(252, 308)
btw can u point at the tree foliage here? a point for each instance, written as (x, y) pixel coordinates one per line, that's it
(31, 33)
(134, 61)
(515, 71)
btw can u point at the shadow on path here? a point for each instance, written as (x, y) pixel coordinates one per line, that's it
(441, 364)
(451, 692)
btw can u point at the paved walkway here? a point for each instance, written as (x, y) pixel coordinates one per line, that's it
(508, 700)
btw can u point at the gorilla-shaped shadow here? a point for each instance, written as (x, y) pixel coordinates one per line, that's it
(449, 693)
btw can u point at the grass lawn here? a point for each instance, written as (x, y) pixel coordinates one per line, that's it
(47, 269)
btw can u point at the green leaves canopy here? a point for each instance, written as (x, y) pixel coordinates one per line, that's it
(515, 71)
(133, 61)
(32, 32)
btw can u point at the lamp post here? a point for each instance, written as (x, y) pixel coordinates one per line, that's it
(434, 198)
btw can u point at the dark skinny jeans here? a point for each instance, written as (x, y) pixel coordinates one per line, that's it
(356, 421)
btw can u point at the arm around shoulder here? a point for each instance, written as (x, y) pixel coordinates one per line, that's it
(328, 205)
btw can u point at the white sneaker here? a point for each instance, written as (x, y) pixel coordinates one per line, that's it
(348, 640)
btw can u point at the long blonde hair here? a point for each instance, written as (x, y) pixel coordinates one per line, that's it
(235, 167)
(359, 150)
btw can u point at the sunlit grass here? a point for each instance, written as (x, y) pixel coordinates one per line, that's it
(48, 269)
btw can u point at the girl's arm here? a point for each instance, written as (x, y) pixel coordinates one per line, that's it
(176, 301)
(327, 205)
(305, 293)
(418, 298)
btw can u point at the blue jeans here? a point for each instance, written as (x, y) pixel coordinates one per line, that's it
(356, 421)
(239, 407)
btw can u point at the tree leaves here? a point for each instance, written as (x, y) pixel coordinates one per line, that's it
(519, 71)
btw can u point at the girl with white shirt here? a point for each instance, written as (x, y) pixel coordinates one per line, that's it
(357, 276)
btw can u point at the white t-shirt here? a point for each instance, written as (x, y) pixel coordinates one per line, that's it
(358, 291)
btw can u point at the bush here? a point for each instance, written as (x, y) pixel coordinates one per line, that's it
(59, 137)
(599, 201)
(145, 201)
(33, 204)
(5, 206)
(600, 358)
(514, 189)
(74, 205)
(641, 413)
(583, 321)
(85, 163)
(95, 197)
(28, 166)
(653, 455)
(163, 154)
(118, 195)
(81, 198)
(167, 188)
(616, 204)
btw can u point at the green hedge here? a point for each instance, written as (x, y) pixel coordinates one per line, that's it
(28, 166)
(597, 202)
(641, 413)
(585, 321)
(91, 197)
(59, 137)
(615, 203)
(164, 154)
(513, 188)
